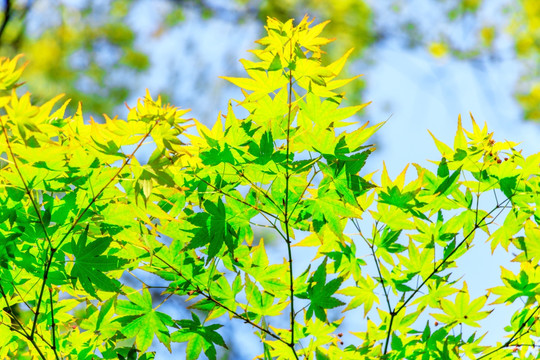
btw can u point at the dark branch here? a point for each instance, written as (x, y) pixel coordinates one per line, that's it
(7, 15)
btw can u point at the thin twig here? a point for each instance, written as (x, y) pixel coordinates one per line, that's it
(514, 336)
(53, 327)
(234, 198)
(441, 264)
(262, 191)
(286, 207)
(40, 299)
(25, 184)
(24, 333)
(386, 296)
(218, 303)
(444, 261)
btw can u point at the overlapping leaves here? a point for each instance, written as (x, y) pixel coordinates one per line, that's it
(82, 219)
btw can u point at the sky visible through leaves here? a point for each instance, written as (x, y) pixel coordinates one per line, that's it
(414, 90)
(410, 88)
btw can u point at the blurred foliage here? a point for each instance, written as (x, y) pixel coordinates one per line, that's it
(74, 49)
(77, 45)
(525, 29)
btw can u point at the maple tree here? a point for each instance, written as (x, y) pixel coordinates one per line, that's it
(82, 218)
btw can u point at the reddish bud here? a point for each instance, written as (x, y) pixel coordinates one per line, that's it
(436, 323)
(499, 161)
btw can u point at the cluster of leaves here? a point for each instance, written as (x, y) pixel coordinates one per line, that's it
(68, 54)
(77, 53)
(81, 220)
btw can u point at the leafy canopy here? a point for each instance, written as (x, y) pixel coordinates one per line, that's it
(95, 245)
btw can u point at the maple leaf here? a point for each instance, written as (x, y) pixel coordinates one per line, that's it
(199, 338)
(319, 292)
(363, 294)
(90, 264)
(142, 321)
(461, 310)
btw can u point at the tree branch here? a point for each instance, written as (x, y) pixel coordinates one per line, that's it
(286, 206)
(209, 297)
(7, 16)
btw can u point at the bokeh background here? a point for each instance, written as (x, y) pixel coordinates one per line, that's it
(424, 63)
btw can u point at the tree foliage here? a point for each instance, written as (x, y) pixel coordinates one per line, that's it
(77, 46)
(82, 219)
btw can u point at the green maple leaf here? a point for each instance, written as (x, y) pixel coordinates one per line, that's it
(318, 209)
(265, 148)
(448, 181)
(199, 338)
(342, 172)
(212, 229)
(397, 198)
(516, 286)
(142, 321)
(90, 264)
(320, 293)
(363, 294)
(461, 310)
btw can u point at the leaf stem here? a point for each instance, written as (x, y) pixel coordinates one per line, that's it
(262, 191)
(95, 197)
(315, 172)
